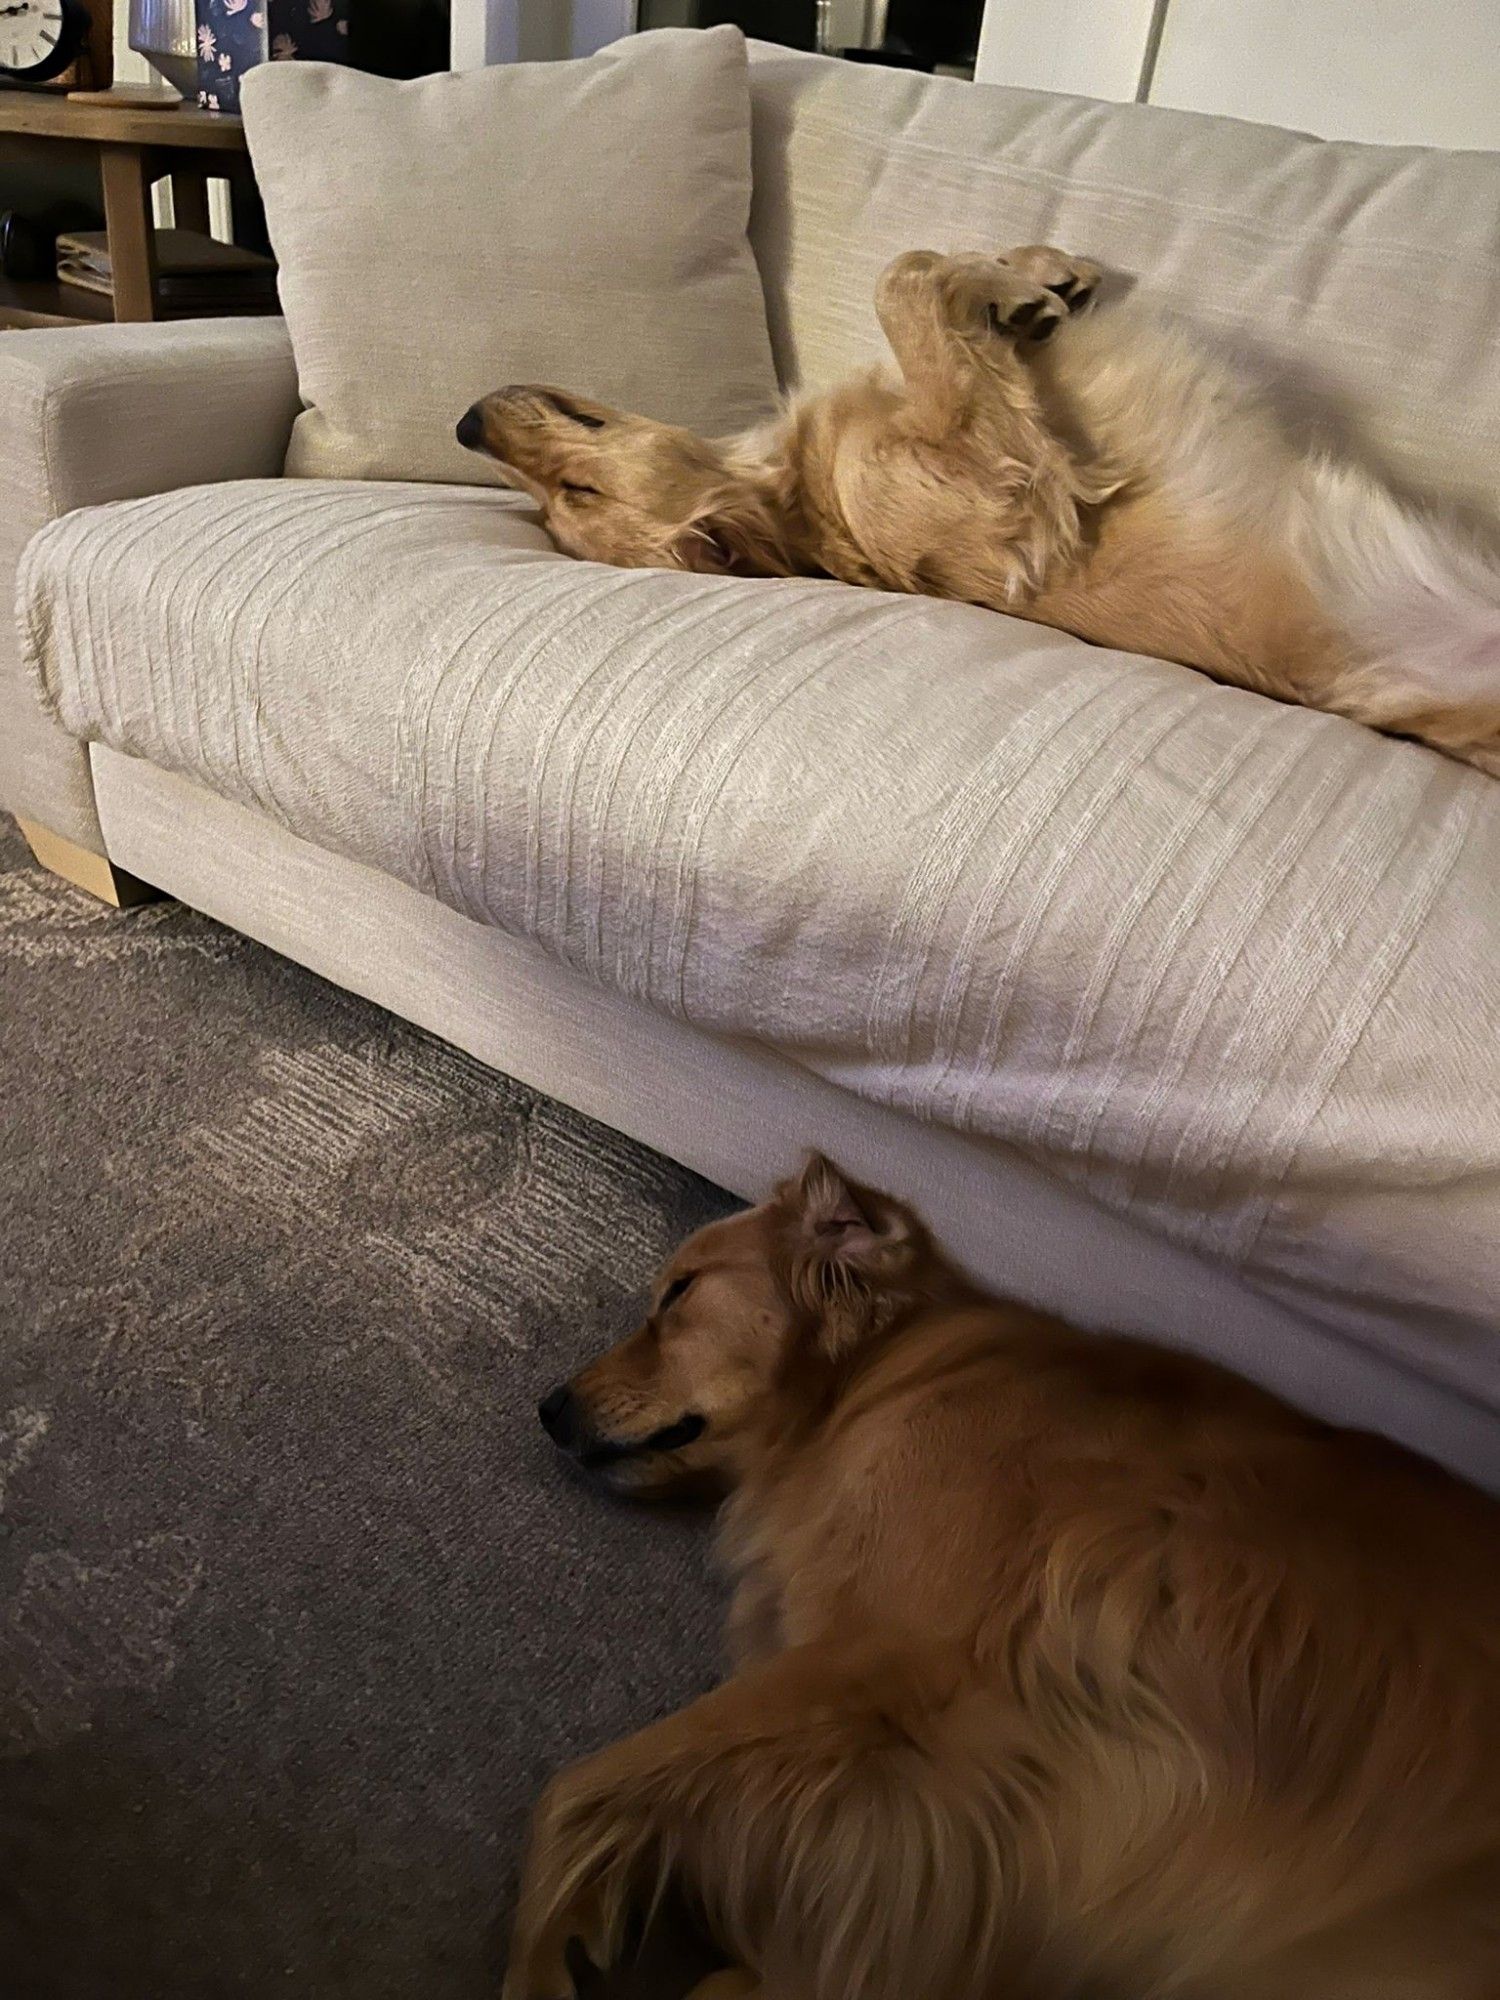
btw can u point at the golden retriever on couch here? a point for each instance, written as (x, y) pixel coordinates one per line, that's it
(1068, 1666)
(1115, 480)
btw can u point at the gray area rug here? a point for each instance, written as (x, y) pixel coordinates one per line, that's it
(296, 1609)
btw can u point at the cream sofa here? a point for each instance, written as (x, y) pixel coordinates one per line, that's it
(1174, 1007)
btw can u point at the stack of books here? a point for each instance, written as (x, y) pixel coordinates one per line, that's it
(195, 274)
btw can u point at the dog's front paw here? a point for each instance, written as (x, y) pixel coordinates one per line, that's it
(1073, 280)
(1020, 309)
(536, 1977)
(562, 1960)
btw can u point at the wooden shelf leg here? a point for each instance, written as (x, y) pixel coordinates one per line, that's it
(85, 869)
(127, 219)
(190, 199)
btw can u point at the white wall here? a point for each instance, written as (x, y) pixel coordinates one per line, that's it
(1404, 72)
(1093, 48)
(490, 31)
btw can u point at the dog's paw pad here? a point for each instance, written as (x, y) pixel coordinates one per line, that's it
(1073, 280)
(1077, 294)
(1030, 318)
(557, 1970)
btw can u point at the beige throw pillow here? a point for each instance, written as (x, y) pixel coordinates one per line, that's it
(581, 223)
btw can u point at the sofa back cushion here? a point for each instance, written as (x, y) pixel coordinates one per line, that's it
(581, 223)
(1365, 279)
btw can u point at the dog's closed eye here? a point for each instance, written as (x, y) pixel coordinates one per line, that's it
(575, 415)
(674, 1291)
(573, 486)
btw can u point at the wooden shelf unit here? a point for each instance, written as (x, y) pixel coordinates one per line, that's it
(38, 115)
(137, 146)
(47, 303)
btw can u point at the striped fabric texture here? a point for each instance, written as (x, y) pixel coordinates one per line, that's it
(1225, 964)
(96, 413)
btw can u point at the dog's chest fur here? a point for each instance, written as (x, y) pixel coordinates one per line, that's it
(879, 503)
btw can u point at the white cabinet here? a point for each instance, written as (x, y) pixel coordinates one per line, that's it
(1402, 72)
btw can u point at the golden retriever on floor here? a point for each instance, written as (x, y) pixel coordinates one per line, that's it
(1070, 1668)
(1115, 480)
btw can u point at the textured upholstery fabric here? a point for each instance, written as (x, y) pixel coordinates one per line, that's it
(580, 223)
(1365, 278)
(1224, 967)
(1222, 963)
(102, 413)
(741, 1114)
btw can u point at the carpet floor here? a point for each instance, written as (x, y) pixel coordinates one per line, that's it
(296, 1609)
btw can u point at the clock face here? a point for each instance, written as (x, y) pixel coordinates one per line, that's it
(37, 38)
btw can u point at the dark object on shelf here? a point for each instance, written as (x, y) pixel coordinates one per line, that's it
(793, 23)
(900, 34)
(235, 35)
(399, 38)
(194, 274)
(927, 35)
(28, 243)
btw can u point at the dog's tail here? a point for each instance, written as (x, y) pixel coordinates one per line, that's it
(1420, 602)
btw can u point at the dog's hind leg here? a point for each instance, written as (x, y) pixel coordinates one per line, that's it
(800, 1808)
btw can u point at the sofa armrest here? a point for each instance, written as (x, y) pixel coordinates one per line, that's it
(98, 413)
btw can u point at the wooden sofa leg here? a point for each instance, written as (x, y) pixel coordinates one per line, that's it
(89, 871)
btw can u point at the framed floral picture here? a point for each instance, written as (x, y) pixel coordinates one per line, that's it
(235, 35)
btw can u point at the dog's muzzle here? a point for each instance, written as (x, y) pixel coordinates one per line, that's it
(566, 1423)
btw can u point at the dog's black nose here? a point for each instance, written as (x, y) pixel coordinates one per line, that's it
(469, 430)
(558, 1414)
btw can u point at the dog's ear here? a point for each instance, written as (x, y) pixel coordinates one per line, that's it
(704, 547)
(735, 534)
(851, 1250)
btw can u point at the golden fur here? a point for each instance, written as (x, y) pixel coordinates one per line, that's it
(1069, 1668)
(1116, 481)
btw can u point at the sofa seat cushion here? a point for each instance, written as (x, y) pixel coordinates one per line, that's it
(1228, 965)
